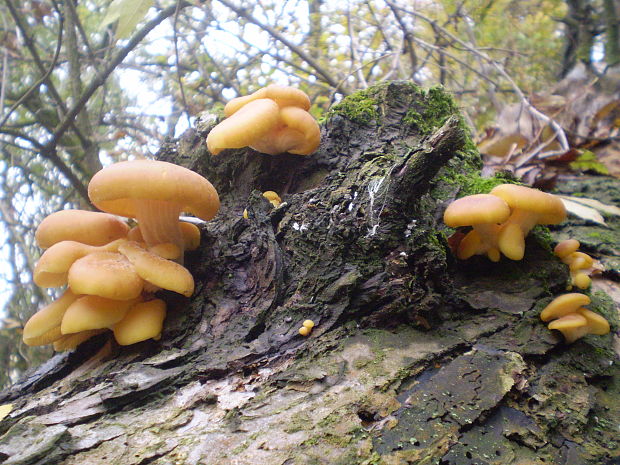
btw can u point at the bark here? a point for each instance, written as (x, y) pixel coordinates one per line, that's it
(415, 358)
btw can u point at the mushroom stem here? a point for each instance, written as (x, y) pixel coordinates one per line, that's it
(159, 223)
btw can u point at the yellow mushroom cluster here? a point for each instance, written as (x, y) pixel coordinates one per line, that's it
(306, 328)
(110, 270)
(568, 252)
(272, 120)
(572, 319)
(502, 219)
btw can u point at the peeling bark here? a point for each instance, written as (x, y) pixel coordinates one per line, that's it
(415, 358)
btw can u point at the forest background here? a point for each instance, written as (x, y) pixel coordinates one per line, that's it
(87, 82)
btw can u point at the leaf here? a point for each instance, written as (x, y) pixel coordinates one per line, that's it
(5, 410)
(600, 206)
(583, 211)
(128, 13)
(587, 161)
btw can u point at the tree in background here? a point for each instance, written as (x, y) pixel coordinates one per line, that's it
(75, 75)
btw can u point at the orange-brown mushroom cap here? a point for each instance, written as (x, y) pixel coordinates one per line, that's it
(143, 321)
(476, 209)
(162, 273)
(94, 312)
(284, 96)
(563, 305)
(44, 326)
(92, 228)
(105, 274)
(120, 187)
(252, 121)
(483, 212)
(298, 133)
(548, 208)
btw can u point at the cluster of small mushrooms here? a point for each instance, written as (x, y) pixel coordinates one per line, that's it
(111, 271)
(500, 221)
(272, 120)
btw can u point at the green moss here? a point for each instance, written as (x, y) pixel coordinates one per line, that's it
(435, 107)
(587, 161)
(474, 183)
(360, 107)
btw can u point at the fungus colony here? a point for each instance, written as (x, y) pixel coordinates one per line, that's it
(111, 271)
(500, 221)
(272, 120)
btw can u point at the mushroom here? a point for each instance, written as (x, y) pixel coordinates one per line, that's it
(576, 261)
(283, 96)
(94, 312)
(154, 192)
(272, 120)
(564, 305)
(105, 274)
(44, 326)
(52, 267)
(247, 125)
(273, 197)
(483, 212)
(529, 208)
(92, 228)
(576, 325)
(143, 321)
(156, 270)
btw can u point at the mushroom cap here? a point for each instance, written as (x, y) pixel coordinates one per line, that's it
(44, 326)
(105, 274)
(578, 261)
(284, 96)
(566, 247)
(143, 321)
(572, 320)
(598, 325)
(245, 126)
(94, 312)
(298, 133)
(476, 209)
(581, 280)
(158, 271)
(563, 305)
(118, 188)
(92, 228)
(550, 209)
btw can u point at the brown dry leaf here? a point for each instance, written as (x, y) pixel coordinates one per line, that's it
(583, 211)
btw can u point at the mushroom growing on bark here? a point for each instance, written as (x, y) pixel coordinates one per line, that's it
(529, 207)
(155, 193)
(91, 228)
(272, 120)
(577, 261)
(572, 319)
(483, 212)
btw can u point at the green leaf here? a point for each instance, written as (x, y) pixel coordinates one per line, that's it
(128, 13)
(587, 161)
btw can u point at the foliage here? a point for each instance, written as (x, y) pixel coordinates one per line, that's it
(101, 80)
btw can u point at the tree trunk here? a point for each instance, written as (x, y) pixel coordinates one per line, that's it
(414, 358)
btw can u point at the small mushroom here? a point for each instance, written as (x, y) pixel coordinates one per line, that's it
(283, 96)
(44, 326)
(529, 207)
(576, 325)
(91, 228)
(483, 212)
(143, 321)
(105, 274)
(158, 271)
(273, 120)
(154, 192)
(577, 261)
(52, 267)
(94, 312)
(564, 305)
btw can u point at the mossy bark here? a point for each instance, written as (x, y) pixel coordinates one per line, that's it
(414, 358)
